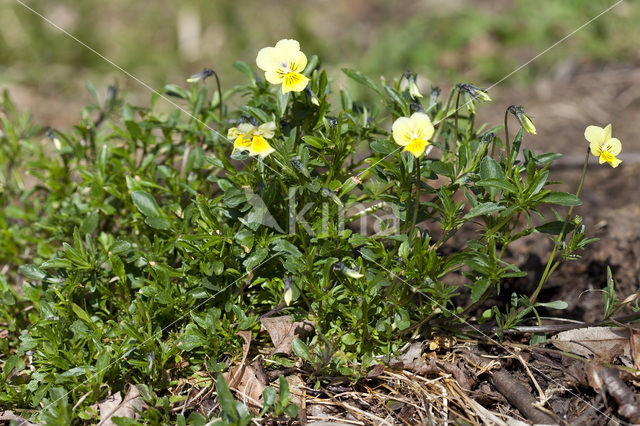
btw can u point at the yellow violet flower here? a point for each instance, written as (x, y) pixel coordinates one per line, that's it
(413, 133)
(253, 139)
(283, 64)
(602, 145)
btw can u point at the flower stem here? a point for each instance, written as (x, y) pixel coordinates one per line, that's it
(507, 142)
(417, 204)
(215, 74)
(409, 202)
(550, 263)
(456, 122)
(296, 116)
(440, 123)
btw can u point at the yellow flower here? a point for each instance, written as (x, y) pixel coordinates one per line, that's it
(253, 139)
(602, 145)
(413, 132)
(283, 64)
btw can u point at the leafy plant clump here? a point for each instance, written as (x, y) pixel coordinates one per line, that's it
(137, 246)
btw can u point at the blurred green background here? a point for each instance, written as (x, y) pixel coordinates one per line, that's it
(167, 40)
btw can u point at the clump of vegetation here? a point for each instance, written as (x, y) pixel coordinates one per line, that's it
(140, 247)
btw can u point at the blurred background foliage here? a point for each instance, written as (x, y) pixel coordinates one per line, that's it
(165, 40)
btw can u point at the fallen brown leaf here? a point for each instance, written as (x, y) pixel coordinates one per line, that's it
(282, 332)
(19, 421)
(244, 381)
(604, 343)
(115, 406)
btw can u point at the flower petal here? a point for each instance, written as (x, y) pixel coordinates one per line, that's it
(233, 133)
(294, 82)
(269, 58)
(422, 125)
(607, 132)
(246, 128)
(402, 129)
(297, 62)
(287, 48)
(267, 130)
(594, 134)
(416, 147)
(274, 76)
(612, 146)
(596, 148)
(260, 146)
(612, 160)
(242, 143)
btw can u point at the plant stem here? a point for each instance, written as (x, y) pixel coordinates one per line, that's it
(296, 116)
(507, 143)
(215, 74)
(549, 269)
(456, 122)
(417, 204)
(409, 202)
(446, 115)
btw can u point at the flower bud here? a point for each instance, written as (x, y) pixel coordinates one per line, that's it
(523, 118)
(414, 90)
(201, 76)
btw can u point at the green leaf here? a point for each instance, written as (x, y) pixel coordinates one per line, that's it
(554, 227)
(498, 184)
(301, 349)
(315, 141)
(89, 223)
(479, 289)
(32, 272)
(384, 146)
(490, 169)
(256, 258)
(283, 392)
(557, 304)
(483, 209)
(349, 339)
(291, 410)
(157, 222)
(283, 245)
(362, 79)
(225, 398)
(561, 198)
(92, 90)
(245, 69)
(269, 397)
(146, 204)
(83, 315)
(176, 91)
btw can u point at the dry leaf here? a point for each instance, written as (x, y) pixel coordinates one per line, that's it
(115, 406)
(244, 381)
(283, 331)
(604, 343)
(20, 421)
(376, 371)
